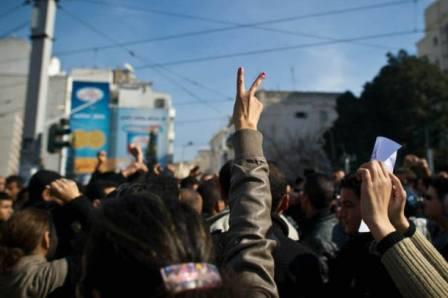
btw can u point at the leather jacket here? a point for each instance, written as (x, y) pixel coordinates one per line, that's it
(246, 250)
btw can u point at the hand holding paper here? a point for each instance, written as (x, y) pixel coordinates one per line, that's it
(385, 150)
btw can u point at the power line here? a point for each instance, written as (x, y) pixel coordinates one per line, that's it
(159, 69)
(12, 10)
(14, 29)
(235, 26)
(277, 49)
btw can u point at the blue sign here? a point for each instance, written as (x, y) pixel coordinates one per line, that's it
(89, 122)
(142, 126)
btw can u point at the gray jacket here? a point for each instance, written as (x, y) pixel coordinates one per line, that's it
(247, 252)
(33, 276)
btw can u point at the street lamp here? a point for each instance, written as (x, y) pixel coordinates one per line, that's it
(189, 144)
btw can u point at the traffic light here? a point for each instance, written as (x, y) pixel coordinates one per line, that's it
(56, 134)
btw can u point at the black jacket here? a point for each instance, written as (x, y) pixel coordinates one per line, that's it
(357, 271)
(317, 234)
(297, 268)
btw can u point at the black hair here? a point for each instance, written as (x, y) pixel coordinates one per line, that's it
(319, 190)
(225, 174)
(136, 234)
(278, 183)
(352, 182)
(5, 197)
(188, 182)
(15, 179)
(440, 184)
(210, 194)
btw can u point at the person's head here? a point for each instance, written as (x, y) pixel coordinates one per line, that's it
(98, 189)
(435, 196)
(225, 174)
(279, 189)
(133, 237)
(317, 194)
(38, 190)
(6, 209)
(13, 185)
(350, 212)
(191, 198)
(2, 183)
(211, 198)
(27, 232)
(189, 182)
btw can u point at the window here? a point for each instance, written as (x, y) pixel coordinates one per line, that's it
(323, 117)
(301, 115)
(435, 41)
(159, 103)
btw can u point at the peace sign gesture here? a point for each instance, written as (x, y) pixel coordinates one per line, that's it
(247, 109)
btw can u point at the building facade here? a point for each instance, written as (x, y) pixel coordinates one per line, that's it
(434, 44)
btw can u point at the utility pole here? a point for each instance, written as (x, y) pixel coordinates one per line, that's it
(42, 31)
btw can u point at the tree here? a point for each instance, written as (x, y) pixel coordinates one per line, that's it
(407, 101)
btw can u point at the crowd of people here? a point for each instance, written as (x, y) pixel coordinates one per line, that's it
(248, 231)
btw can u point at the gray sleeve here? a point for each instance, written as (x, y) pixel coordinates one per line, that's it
(247, 251)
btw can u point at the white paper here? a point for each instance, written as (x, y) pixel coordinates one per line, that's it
(385, 150)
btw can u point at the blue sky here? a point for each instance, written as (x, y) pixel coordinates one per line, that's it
(331, 67)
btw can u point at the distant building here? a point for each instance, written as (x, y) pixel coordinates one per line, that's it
(14, 61)
(136, 109)
(434, 45)
(292, 124)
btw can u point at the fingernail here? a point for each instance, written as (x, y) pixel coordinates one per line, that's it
(263, 74)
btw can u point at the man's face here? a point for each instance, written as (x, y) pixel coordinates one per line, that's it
(5, 210)
(12, 189)
(433, 206)
(350, 211)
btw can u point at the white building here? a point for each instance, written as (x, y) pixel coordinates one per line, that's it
(13, 83)
(126, 92)
(434, 45)
(293, 124)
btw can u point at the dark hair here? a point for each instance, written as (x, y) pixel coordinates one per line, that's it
(319, 189)
(225, 174)
(133, 237)
(15, 178)
(278, 183)
(191, 198)
(96, 189)
(5, 197)
(210, 194)
(21, 235)
(353, 183)
(188, 182)
(440, 184)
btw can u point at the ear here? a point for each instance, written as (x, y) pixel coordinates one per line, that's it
(46, 241)
(219, 206)
(46, 195)
(284, 203)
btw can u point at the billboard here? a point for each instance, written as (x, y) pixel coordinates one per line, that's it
(144, 126)
(89, 122)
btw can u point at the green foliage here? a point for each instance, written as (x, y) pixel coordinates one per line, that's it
(406, 101)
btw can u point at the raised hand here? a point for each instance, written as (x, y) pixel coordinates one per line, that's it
(64, 190)
(376, 188)
(136, 152)
(397, 204)
(247, 109)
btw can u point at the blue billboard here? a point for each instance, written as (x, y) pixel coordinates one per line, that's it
(143, 126)
(89, 122)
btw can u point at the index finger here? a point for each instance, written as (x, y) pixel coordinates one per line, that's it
(240, 89)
